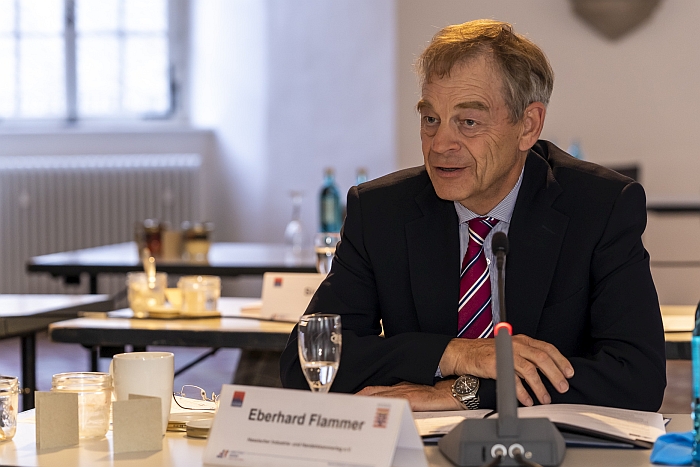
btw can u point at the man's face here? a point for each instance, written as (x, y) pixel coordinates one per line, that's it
(470, 147)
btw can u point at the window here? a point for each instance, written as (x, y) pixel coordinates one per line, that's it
(86, 59)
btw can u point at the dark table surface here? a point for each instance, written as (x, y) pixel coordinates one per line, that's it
(261, 341)
(24, 315)
(232, 330)
(674, 204)
(224, 259)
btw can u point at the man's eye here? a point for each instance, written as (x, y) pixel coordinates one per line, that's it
(470, 123)
(430, 120)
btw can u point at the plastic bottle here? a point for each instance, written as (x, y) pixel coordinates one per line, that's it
(575, 150)
(695, 350)
(361, 176)
(329, 201)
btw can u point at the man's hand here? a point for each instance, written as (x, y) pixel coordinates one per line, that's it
(477, 357)
(421, 398)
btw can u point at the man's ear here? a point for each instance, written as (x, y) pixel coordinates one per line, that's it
(532, 124)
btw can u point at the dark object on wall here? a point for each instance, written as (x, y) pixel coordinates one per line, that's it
(614, 18)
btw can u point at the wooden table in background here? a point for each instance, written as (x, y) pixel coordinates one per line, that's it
(224, 259)
(262, 341)
(24, 315)
(679, 322)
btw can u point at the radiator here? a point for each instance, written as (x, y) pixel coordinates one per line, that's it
(50, 204)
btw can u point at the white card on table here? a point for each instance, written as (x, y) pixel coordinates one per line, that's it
(57, 421)
(285, 296)
(256, 426)
(137, 424)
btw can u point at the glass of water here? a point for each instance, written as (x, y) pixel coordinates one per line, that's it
(325, 243)
(320, 340)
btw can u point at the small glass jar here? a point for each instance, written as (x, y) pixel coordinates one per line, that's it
(143, 296)
(199, 293)
(94, 399)
(196, 238)
(9, 400)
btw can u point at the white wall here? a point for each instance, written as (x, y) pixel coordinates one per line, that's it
(290, 88)
(228, 94)
(633, 100)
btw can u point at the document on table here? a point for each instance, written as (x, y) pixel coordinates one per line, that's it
(633, 426)
(433, 425)
(620, 425)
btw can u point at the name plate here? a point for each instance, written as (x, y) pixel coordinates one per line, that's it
(256, 426)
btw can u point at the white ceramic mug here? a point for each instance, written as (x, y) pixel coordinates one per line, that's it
(145, 374)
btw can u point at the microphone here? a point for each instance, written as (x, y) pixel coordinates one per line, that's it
(499, 247)
(499, 243)
(475, 442)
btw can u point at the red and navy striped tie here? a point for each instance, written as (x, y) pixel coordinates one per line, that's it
(475, 318)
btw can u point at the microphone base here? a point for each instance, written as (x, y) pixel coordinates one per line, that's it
(471, 443)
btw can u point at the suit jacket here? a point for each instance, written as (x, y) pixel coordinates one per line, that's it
(577, 276)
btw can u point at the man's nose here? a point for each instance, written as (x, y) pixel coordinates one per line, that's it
(445, 139)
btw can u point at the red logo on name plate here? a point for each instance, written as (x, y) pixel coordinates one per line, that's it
(238, 397)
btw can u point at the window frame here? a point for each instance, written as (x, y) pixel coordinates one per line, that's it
(178, 51)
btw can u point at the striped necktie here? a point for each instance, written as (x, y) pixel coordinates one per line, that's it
(475, 318)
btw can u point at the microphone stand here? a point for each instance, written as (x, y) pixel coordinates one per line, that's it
(506, 440)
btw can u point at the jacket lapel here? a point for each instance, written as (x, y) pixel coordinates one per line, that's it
(433, 256)
(535, 236)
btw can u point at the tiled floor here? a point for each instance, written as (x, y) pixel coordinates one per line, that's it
(212, 373)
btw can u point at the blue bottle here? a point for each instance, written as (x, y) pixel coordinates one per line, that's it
(695, 349)
(331, 210)
(575, 150)
(361, 176)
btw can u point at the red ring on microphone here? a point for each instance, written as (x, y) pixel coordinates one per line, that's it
(503, 325)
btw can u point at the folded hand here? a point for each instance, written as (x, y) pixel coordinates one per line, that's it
(477, 357)
(421, 398)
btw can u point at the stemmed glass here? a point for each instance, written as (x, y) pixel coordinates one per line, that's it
(324, 244)
(293, 233)
(320, 340)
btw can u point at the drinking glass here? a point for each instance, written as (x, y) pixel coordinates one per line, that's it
(320, 339)
(144, 296)
(94, 399)
(325, 244)
(9, 399)
(199, 293)
(293, 233)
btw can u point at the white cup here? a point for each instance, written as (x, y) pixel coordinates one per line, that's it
(145, 374)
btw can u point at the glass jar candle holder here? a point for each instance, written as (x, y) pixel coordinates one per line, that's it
(9, 400)
(94, 399)
(143, 296)
(199, 293)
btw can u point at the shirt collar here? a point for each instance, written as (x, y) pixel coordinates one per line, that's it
(503, 210)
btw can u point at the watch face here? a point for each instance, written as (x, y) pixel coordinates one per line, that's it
(466, 385)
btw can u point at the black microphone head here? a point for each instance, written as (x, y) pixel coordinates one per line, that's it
(499, 243)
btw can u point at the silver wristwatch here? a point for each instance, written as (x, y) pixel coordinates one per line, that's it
(464, 389)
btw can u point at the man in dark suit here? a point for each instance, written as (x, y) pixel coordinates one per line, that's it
(414, 259)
